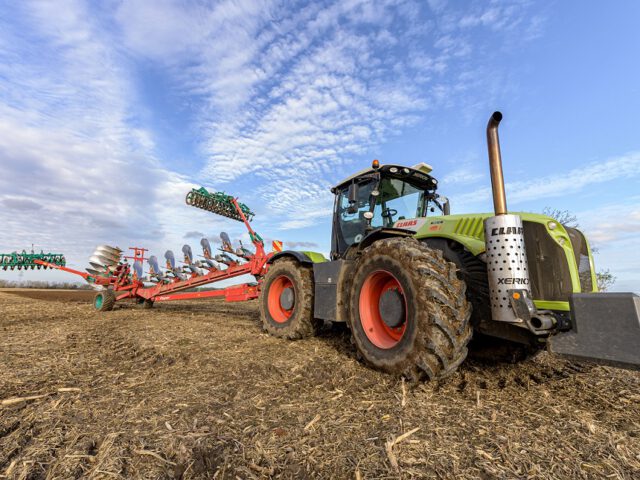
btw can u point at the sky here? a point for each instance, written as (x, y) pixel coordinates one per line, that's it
(111, 111)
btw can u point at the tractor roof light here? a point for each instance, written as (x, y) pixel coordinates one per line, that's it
(375, 164)
(552, 225)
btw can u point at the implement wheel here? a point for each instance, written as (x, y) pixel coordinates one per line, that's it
(408, 311)
(104, 301)
(286, 300)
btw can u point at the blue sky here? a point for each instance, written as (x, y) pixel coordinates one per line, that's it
(111, 111)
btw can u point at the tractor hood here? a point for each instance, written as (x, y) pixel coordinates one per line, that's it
(547, 241)
(467, 229)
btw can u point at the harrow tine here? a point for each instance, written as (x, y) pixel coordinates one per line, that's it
(26, 261)
(218, 202)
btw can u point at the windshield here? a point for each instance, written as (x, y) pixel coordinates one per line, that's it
(397, 200)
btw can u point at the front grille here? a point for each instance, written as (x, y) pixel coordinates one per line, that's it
(548, 270)
(579, 244)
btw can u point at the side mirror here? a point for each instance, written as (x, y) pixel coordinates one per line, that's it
(446, 206)
(352, 195)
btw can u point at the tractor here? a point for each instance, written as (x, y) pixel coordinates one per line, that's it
(415, 283)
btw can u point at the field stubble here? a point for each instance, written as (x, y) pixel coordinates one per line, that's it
(197, 390)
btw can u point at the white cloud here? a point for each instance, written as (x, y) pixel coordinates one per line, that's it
(464, 175)
(612, 223)
(614, 229)
(77, 169)
(291, 95)
(560, 184)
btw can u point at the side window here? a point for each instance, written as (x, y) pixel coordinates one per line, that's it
(352, 225)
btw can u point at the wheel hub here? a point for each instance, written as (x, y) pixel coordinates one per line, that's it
(287, 298)
(391, 306)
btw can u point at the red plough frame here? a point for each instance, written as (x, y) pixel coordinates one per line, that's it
(126, 284)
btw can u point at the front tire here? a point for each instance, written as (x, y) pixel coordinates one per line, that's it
(408, 311)
(104, 300)
(286, 300)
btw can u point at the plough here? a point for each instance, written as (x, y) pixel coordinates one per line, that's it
(120, 276)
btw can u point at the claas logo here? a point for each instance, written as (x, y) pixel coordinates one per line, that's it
(276, 245)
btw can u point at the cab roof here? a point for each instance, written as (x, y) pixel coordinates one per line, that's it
(419, 173)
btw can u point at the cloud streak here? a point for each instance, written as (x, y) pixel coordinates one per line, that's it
(560, 184)
(293, 93)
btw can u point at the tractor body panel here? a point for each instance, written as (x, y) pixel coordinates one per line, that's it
(326, 276)
(605, 329)
(305, 257)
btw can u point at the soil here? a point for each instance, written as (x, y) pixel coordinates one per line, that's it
(198, 390)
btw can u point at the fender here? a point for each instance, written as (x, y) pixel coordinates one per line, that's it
(380, 233)
(305, 258)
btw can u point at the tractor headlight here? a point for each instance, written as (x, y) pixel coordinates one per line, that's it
(552, 225)
(367, 215)
(393, 170)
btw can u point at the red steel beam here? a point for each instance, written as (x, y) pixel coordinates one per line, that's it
(234, 293)
(84, 275)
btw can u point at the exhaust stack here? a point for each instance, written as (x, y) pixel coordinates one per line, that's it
(495, 165)
(509, 288)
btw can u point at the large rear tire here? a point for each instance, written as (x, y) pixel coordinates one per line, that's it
(286, 300)
(104, 300)
(408, 311)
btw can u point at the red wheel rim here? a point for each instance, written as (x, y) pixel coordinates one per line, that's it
(276, 310)
(378, 332)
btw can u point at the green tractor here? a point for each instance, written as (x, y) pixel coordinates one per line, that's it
(415, 284)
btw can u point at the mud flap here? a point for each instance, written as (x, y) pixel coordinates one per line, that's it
(606, 329)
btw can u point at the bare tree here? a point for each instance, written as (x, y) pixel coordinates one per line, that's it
(565, 217)
(605, 280)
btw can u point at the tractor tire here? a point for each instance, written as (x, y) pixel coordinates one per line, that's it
(408, 311)
(286, 300)
(104, 301)
(147, 304)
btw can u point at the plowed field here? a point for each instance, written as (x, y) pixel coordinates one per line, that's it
(197, 390)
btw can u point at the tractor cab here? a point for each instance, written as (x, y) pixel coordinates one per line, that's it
(382, 197)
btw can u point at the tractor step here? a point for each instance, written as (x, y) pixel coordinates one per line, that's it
(606, 329)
